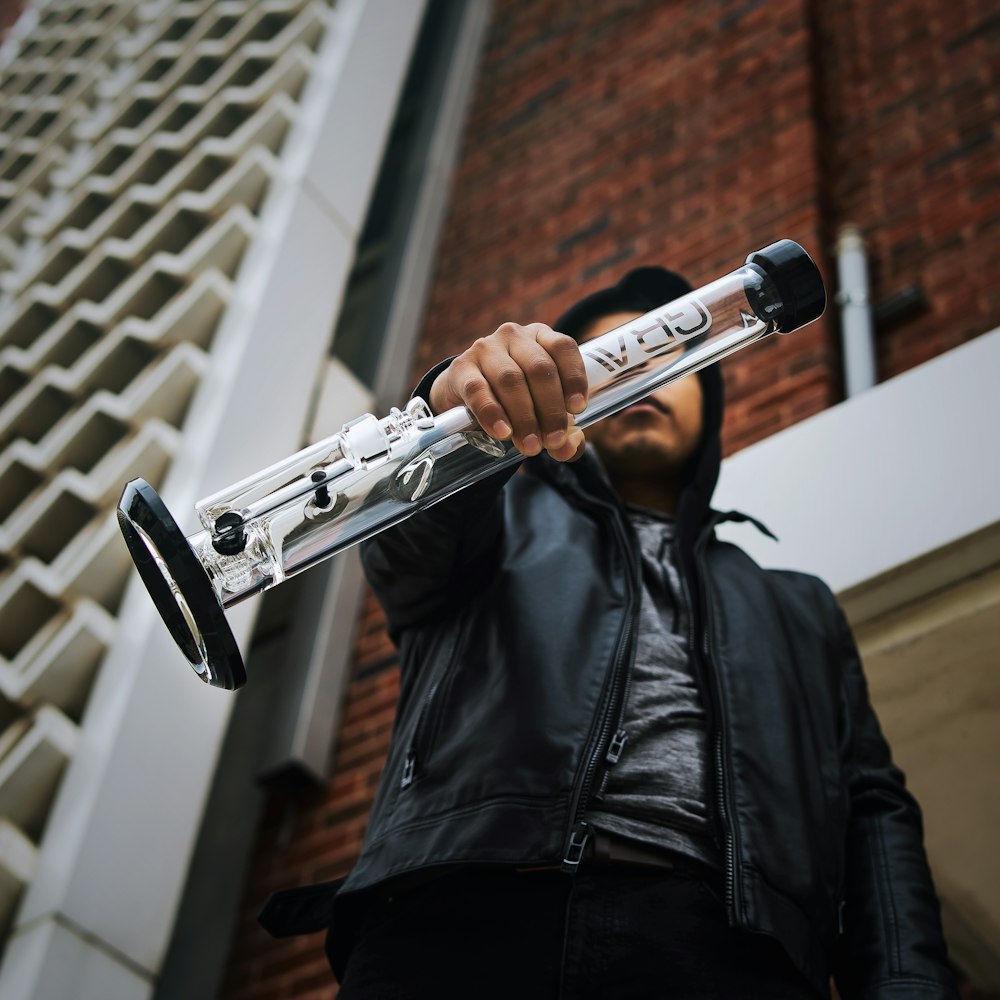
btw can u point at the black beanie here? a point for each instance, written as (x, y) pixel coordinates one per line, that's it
(640, 290)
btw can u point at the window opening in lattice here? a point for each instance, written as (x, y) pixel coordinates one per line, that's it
(112, 160)
(200, 71)
(130, 220)
(174, 394)
(152, 296)
(84, 47)
(50, 46)
(176, 31)
(221, 27)
(87, 211)
(8, 121)
(207, 170)
(38, 416)
(11, 380)
(156, 166)
(92, 441)
(124, 362)
(157, 69)
(228, 120)
(64, 84)
(59, 266)
(26, 612)
(33, 322)
(56, 527)
(78, 338)
(269, 27)
(250, 71)
(17, 482)
(34, 82)
(179, 117)
(179, 231)
(102, 280)
(16, 167)
(135, 114)
(40, 124)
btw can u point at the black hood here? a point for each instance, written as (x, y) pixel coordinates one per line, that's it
(641, 290)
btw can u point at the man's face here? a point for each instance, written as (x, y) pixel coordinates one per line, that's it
(655, 436)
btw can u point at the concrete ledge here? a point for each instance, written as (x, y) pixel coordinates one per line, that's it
(865, 492)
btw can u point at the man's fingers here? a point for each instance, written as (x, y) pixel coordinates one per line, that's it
(566, 353)
(521, 383)
(509, 383)
(542, 377)
(574, 447)
(475, 392)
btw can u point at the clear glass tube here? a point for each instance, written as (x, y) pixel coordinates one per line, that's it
(375, 473)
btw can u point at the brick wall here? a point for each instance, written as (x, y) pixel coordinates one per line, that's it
(607, 135)
(611, 134)
(911, 109)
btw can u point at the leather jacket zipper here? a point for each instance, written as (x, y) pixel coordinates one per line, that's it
(615, 750)
(414, 751)
(420, 742)
(729, 859)
(723, 786)
(613, 705)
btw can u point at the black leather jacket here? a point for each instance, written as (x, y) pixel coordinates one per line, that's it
(514, 606)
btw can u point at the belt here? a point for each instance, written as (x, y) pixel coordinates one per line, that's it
(608, 848)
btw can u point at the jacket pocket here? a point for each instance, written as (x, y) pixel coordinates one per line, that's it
(428, 721)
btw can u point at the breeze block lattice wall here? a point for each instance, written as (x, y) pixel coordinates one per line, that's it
(137, 144)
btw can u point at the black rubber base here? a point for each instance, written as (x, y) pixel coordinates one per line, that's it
(179, 586)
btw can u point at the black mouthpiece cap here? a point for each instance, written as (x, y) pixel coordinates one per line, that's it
(797, 279)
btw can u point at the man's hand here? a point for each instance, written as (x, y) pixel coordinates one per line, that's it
(521, 382)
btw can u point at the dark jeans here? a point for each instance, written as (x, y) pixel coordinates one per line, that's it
(609, 933)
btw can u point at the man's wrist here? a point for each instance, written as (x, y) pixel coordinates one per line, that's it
(426, 384)
(437, 397)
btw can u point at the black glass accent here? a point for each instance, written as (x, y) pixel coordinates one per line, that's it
(203, 634)
(797, 279)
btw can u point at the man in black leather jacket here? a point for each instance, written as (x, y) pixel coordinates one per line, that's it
(614, 727)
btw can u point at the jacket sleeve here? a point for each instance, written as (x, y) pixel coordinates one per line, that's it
(424, 566)
(891, 946)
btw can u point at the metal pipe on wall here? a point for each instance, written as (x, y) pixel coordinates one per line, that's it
(857, 327)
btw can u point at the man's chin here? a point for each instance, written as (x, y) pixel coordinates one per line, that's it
(637, 455)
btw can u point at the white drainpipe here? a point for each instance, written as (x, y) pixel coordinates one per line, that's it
(857, 328)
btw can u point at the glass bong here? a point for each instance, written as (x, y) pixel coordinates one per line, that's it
(376, 472)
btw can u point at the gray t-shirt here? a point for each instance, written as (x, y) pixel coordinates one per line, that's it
(657, 793)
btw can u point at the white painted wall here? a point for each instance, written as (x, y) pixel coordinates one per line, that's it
(878, 482)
